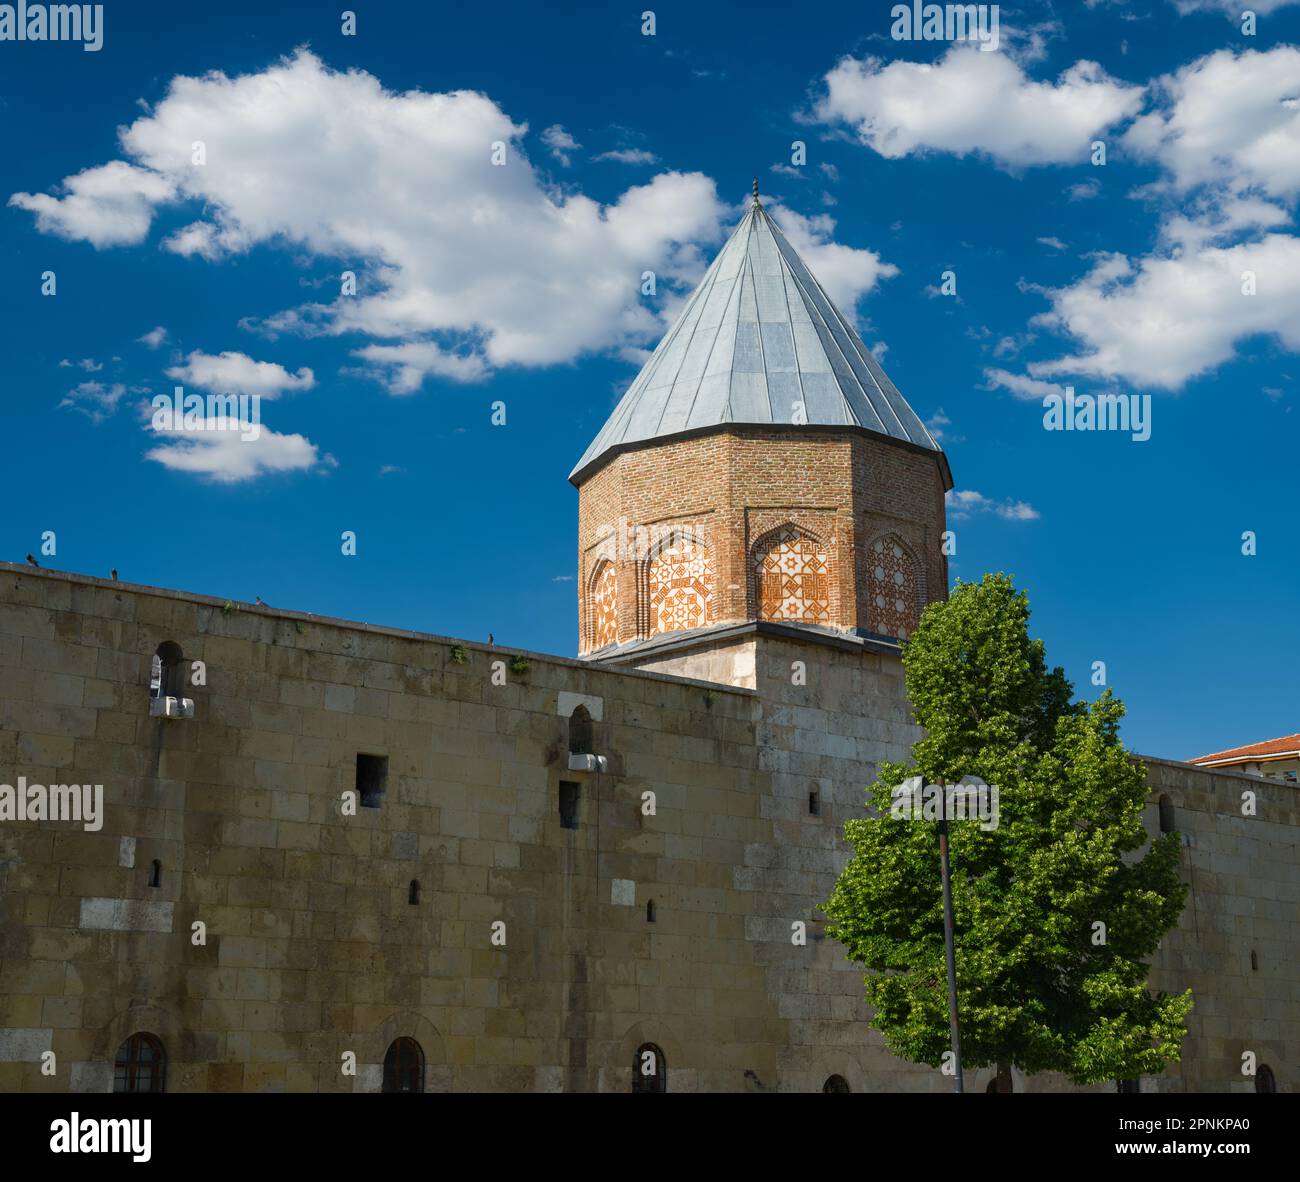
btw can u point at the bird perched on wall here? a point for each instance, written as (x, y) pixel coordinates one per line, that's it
(491, 639)
(113, 573)
(258, 600)
(32, 562)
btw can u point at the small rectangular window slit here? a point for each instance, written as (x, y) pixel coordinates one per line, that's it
(372, 779)
(568, 805)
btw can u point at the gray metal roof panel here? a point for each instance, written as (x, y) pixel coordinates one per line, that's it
(757, 335)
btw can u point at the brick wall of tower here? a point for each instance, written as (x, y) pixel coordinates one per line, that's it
(738, 485)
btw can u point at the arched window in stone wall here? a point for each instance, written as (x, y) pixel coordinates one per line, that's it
(403, 1066)
(649, 1069)
(679, 585)
(792, 577)
(893, 606)
(580, 731)
(140, 1065)
(602, 604)
(167, 673)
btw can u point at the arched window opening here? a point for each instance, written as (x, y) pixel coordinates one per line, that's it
(1264, 1081)
(1254, 960)
(815, 803)
(413, 893)
(792, 577)
(155, 873)
(650, 911)
(1166, 815)
(580, 736)
(836, 1083)
(404, 1066)
(141, 1065)
(649, 1069)
(167, 675)
(679, 582)
(893, 608)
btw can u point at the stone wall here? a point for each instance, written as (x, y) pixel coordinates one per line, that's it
(312, 948)
(1238, 944)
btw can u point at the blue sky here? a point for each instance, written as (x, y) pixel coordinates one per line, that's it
(520, 284)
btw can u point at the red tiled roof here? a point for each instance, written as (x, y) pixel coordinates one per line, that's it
(1269, 749)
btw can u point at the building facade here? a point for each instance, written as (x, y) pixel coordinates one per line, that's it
(337, 857)
(1276, 758)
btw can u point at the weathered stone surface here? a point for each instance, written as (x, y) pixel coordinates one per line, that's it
(313, 948)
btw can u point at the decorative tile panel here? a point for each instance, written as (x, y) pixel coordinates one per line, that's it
(603, 608)
(792, 577)
(891, 588)
(680, 583)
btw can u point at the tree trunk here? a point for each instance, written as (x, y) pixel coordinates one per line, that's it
(1003, 1081)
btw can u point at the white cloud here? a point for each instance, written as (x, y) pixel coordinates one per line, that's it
(1230, 120)
(1232, 8)
(1084, 190)
(1028, 44)
(974, 102)
(155, 338)
(226, 457)
(1160, 321)
(94, 399)
(1226, 130)
(561, 143)
(89, 364)
(938, 424)
(403, 368)
(1006, 347)
(1054, 243)
(1025, 388)
(846, 272)
(966, 503)
(237, 373)
(111, 205)
(629, 156)
(451, 246)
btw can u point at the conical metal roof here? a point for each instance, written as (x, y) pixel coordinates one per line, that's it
(758, 338)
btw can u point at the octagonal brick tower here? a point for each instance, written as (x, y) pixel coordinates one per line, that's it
(761, 470)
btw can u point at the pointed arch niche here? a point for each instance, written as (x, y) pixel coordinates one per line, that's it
(792, 576)
(895, 595)
(679, 585)
(602, 604)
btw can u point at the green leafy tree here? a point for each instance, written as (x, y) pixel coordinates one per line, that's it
(1040, 985)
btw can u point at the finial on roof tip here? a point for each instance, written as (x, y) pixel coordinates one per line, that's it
(757, 202)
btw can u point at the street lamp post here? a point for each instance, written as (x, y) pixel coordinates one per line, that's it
(949, 949)
(970, 797)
